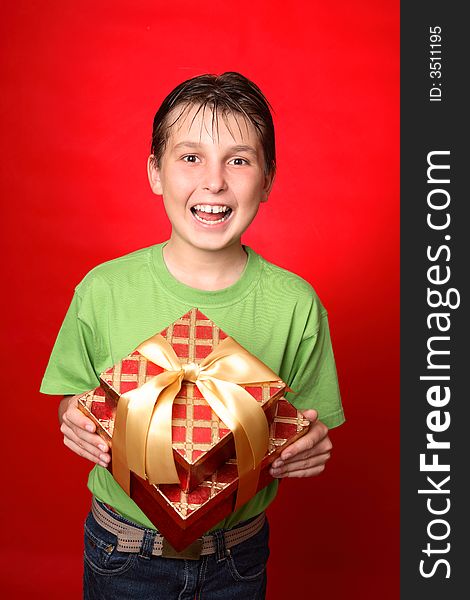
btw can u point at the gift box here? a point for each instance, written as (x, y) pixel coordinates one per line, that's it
(201, 441)
(181, 516)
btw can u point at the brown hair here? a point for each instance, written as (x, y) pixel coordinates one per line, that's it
(230, 92)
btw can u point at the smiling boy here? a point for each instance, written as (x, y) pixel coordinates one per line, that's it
(213, 162)
(212, 178)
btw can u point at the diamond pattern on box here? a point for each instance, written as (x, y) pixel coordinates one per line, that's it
(184, 516)
(201, 441)
(287, 423)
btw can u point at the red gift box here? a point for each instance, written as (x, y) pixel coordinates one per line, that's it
(182, 517)
(201, 440)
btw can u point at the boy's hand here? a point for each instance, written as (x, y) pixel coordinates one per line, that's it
(307, 456)
(79, 433)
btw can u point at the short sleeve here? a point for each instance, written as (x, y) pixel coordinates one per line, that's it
(70, 368)
(313, 377)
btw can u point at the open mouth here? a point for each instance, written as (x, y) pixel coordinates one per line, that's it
(211, 214)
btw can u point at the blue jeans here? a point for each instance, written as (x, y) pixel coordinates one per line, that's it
(237, 573)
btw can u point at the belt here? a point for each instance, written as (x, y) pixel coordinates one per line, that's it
(130, 537)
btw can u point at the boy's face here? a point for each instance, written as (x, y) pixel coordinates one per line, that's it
(212, 178)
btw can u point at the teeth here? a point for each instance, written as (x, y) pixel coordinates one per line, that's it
(210, 209)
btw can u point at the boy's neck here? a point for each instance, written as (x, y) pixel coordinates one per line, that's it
(205, 269)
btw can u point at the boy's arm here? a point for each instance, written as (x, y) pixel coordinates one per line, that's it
(79, 433)
(313, 376)
(307, 456)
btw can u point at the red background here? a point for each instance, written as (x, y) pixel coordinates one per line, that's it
(81, 82)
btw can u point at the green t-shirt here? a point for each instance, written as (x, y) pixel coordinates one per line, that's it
(273, 313)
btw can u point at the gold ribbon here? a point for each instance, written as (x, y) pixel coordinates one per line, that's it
(142, 437)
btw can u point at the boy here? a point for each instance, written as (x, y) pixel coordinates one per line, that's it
(213, 161)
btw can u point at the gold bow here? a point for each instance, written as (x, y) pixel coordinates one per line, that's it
(142, 438)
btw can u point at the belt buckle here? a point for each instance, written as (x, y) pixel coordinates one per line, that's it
(191, 552)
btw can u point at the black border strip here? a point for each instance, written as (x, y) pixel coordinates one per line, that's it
(434, 268)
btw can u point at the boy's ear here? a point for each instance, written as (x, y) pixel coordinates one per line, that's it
(268, 184)
(153, 173)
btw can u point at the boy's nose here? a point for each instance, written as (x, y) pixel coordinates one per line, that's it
(214, 180)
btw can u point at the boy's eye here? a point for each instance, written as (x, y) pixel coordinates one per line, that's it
(239, 161)
(190, 158)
